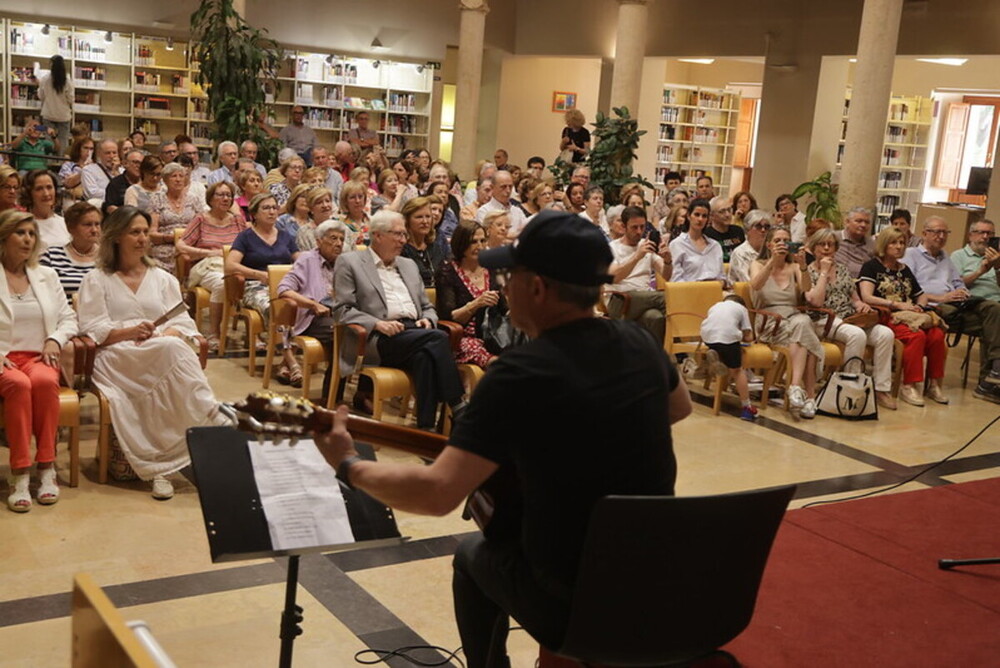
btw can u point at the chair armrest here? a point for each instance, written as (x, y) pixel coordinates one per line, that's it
(830, 316)
(362, 336)
(454, 330)
(284, 312)
(766, 315)
(200, 344)
(624, 296)
(77, 362)
(234, 287)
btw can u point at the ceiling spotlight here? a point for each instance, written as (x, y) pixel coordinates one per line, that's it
(329, 59)
(108, 37)
(45, 29)
(376, 64)
(377, 45)
(420, 69)
(170, 44)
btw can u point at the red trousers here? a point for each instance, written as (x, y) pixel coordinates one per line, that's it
(922, 343)
(31, 406)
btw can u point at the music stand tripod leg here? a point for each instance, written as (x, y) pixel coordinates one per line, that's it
(948, 564)
(291, 615)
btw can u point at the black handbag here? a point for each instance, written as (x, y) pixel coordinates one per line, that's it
(499, 333)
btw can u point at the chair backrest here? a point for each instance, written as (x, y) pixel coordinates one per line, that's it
(275, 273)
(182, 265)
(742, 289)
(666, 579)
(233, 282)
(687, 305)
(283, 311)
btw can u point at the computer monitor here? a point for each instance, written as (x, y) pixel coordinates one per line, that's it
(979, 181)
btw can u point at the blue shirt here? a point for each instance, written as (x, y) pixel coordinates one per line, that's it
(220, 174)
(936, 275)
(257, 254)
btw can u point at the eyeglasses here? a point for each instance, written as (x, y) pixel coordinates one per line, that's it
(395, 233)
(8, 188)
(762, 227)
(987, 233)
(938, 232)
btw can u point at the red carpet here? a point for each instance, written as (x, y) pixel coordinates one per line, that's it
(857, 584)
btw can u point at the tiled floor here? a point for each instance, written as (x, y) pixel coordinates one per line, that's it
(153, 556)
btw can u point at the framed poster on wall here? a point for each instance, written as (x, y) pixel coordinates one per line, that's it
(562, 101)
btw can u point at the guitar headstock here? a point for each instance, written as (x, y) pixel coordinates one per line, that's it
(280, 415)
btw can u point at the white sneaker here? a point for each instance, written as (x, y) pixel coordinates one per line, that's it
(163, 489)
(796, 396)
(808, 411)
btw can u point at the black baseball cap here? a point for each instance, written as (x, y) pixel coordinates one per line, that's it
(559, 245)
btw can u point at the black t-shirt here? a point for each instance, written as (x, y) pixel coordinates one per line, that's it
(729, 239)
(580, 138)
(580, 412)
(898, 285)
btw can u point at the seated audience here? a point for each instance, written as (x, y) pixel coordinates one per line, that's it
(319, 201)
(391, 194)
(757, 224)
(482, 193)
(175, 207)
(856, 244)
(250, 186)
(420, 245)
(886, 281)
(295, 213)
(637, 262)
(675, 223)
(75, 258)
(695, 256)
(114, 194)
(39, 198)
(140, 195)
(353, 196)
(291, 170)
(721, 229)
(497, 226)
(10, 189)
(787, 209)
(743, 203)
(71, 172)
(35, 324)
(903, 221)
(575, 200)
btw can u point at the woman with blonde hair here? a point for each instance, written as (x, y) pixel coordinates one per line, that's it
(497, 226)
(149, 374)
(10, 188)
(295, 212)
(539, 197)
(575, 137)
(353, 196)
(391, 194)
(35, 324)
(420, 246)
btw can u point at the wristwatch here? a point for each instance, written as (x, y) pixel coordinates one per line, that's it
(344, 470)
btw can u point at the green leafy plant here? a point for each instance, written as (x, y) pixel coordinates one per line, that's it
(562, 171)
(823, 194)
(617, 140)
(235, 63)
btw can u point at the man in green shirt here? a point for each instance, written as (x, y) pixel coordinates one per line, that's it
(33, 141)
(977, 262)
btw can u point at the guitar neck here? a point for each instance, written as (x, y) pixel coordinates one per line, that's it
(414, 441)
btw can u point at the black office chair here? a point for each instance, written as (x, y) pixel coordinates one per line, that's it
(667, 580)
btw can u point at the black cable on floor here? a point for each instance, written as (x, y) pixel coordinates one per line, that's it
(911, 478)
(383, 655)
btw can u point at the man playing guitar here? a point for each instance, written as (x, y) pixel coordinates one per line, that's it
(580, 412)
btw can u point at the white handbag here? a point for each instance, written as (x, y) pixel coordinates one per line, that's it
(850, 393)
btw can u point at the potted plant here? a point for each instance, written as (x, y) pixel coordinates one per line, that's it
(823, 192)
(235, 63)
(610, 161)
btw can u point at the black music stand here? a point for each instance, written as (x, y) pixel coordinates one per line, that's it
(237, 528)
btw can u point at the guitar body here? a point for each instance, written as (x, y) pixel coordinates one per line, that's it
(495, 507)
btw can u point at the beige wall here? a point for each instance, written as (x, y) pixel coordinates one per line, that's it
(526, 124)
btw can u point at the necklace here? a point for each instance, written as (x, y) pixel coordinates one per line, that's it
(93, 250)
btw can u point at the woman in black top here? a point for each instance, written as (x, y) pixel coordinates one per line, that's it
(575, 137)
(420, 246)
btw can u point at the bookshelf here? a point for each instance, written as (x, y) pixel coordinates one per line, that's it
(125, 81)
(697, 134)
(904, 154)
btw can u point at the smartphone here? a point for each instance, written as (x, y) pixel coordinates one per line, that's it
(42, 128)
(794, 247)
(994, 243)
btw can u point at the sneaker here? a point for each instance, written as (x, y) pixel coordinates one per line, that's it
(934, 393)
(911, 395)
(749, 413)
(987, 392)
(715, 365)
(808, 410)
(796, 396)
(993, 377)
(163, 489)
(48, 490)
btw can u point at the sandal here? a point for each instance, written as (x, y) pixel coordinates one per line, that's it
(284, 375)
(295, 376)
(48, 490)
(213, 345)
(20, 498)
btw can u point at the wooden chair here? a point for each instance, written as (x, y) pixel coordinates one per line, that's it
(77, 361)
(102, 637)
(234, 311)
(196, 298)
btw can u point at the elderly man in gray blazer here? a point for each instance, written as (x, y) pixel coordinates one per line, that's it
(382, 292)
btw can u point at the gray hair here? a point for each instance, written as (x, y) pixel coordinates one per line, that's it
(384, 220)
(930, 219)
(756, 217)
(225, 144)
(679, 190)
(859, 210)
(581, 169)
(286, 154)
(822, 235)
(172, 168)
(614, 212)
(328, 226)
(718, 202)
(247, 143)
(486, 165)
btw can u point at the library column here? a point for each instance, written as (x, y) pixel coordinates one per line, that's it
(630, 49)
(869, 103)
(993, 197)
(470, 72)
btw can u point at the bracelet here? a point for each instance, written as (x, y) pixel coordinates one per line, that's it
(344, 470)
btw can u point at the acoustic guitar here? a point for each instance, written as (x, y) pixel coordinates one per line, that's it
(495, 507)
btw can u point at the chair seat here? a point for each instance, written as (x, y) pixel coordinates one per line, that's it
(388, 382)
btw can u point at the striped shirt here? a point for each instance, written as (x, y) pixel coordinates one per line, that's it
(201, 233)
(71, 273)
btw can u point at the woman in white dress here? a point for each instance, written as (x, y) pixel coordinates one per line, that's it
(149, 374)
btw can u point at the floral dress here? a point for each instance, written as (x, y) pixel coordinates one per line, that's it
(171, 219)
(455, 290)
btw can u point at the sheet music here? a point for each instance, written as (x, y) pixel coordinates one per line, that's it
(300, 495)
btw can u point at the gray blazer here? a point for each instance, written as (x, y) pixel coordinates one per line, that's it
(360, 299)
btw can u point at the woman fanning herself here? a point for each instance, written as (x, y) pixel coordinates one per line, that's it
(35, 323)
(465, 290)
(779, 285)
(885, 281)
(149, 374)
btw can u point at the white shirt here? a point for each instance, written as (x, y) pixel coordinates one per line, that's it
(514, 214)
(29, 327)
(739, 262)
(200, 174)
(52, 231)
(725, 323)
(640, 276)
(95, 180)
(398, 302)
(692, 264)
(798, 228)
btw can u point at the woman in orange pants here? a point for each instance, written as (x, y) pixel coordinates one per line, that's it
(35, 322)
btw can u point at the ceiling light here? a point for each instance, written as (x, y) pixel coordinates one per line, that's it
(376, 64)
(852, 60)
(45, 29)
(377, 45)
(954, 62)
(697, 61)
(108, 37)
(420, 69)
(170, 44)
